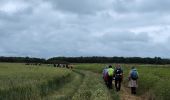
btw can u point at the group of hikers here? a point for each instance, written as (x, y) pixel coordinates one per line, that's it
(110, 74)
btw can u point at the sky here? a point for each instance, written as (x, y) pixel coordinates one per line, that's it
(50, 28)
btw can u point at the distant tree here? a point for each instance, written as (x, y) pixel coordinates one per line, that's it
(94, 59)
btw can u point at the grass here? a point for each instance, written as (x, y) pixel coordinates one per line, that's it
(21, 82)
(85, 85)
(93, 88)
(69, 88)
(153, 80)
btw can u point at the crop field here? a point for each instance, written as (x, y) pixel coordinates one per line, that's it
(20, 82)
(154, 80)
(84, 82)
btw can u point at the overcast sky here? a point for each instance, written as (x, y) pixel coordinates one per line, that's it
(48, 28)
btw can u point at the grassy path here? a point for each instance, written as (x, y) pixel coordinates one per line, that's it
(68, 89)
(85, 85)
(125, 94)
(92, 88)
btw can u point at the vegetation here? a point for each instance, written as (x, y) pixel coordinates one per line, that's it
(92, 88)
(29, 82)
(153, 80)
(127, 60)
(22, 60)
(20, 82)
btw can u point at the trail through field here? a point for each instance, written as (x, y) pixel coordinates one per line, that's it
(125, 94)
(92, 88)
(68, 90)
(85, 85)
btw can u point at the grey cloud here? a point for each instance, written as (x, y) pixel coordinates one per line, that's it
(81, 6)
(126, 43)
(125, 37)
(144, 6)
(81, 28)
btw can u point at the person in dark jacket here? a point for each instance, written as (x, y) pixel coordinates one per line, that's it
(118, 73)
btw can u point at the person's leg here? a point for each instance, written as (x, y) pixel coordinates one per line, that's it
(131, 90)
(111, 79)
(116, 84)
(134, 90)
(105, 82)
(119, 84)
(109, 82)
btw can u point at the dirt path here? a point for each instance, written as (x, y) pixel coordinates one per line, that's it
(125, 94)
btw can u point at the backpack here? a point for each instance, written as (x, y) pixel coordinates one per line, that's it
(118, 72)
(134, 75)
(110, 71)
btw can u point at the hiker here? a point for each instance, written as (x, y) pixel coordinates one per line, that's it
(105, 75)
(133, 77)
(110, 76)
(118, 73)
(54, 65)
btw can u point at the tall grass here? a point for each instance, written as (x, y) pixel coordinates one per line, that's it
(69, 88)
(93, 88)
(153, 79)
(20, 82)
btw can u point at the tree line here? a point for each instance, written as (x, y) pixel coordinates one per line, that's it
(94, 59)
(22, 60)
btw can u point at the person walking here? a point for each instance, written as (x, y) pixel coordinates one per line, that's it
(118, 73)
(133, 77)
(110, 76)
(105, 75)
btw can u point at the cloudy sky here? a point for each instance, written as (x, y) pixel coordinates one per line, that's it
(48, 28)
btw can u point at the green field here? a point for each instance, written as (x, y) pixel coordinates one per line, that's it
(84, 82)
(154, 80)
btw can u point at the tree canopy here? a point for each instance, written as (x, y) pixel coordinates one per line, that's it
(94, 59)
